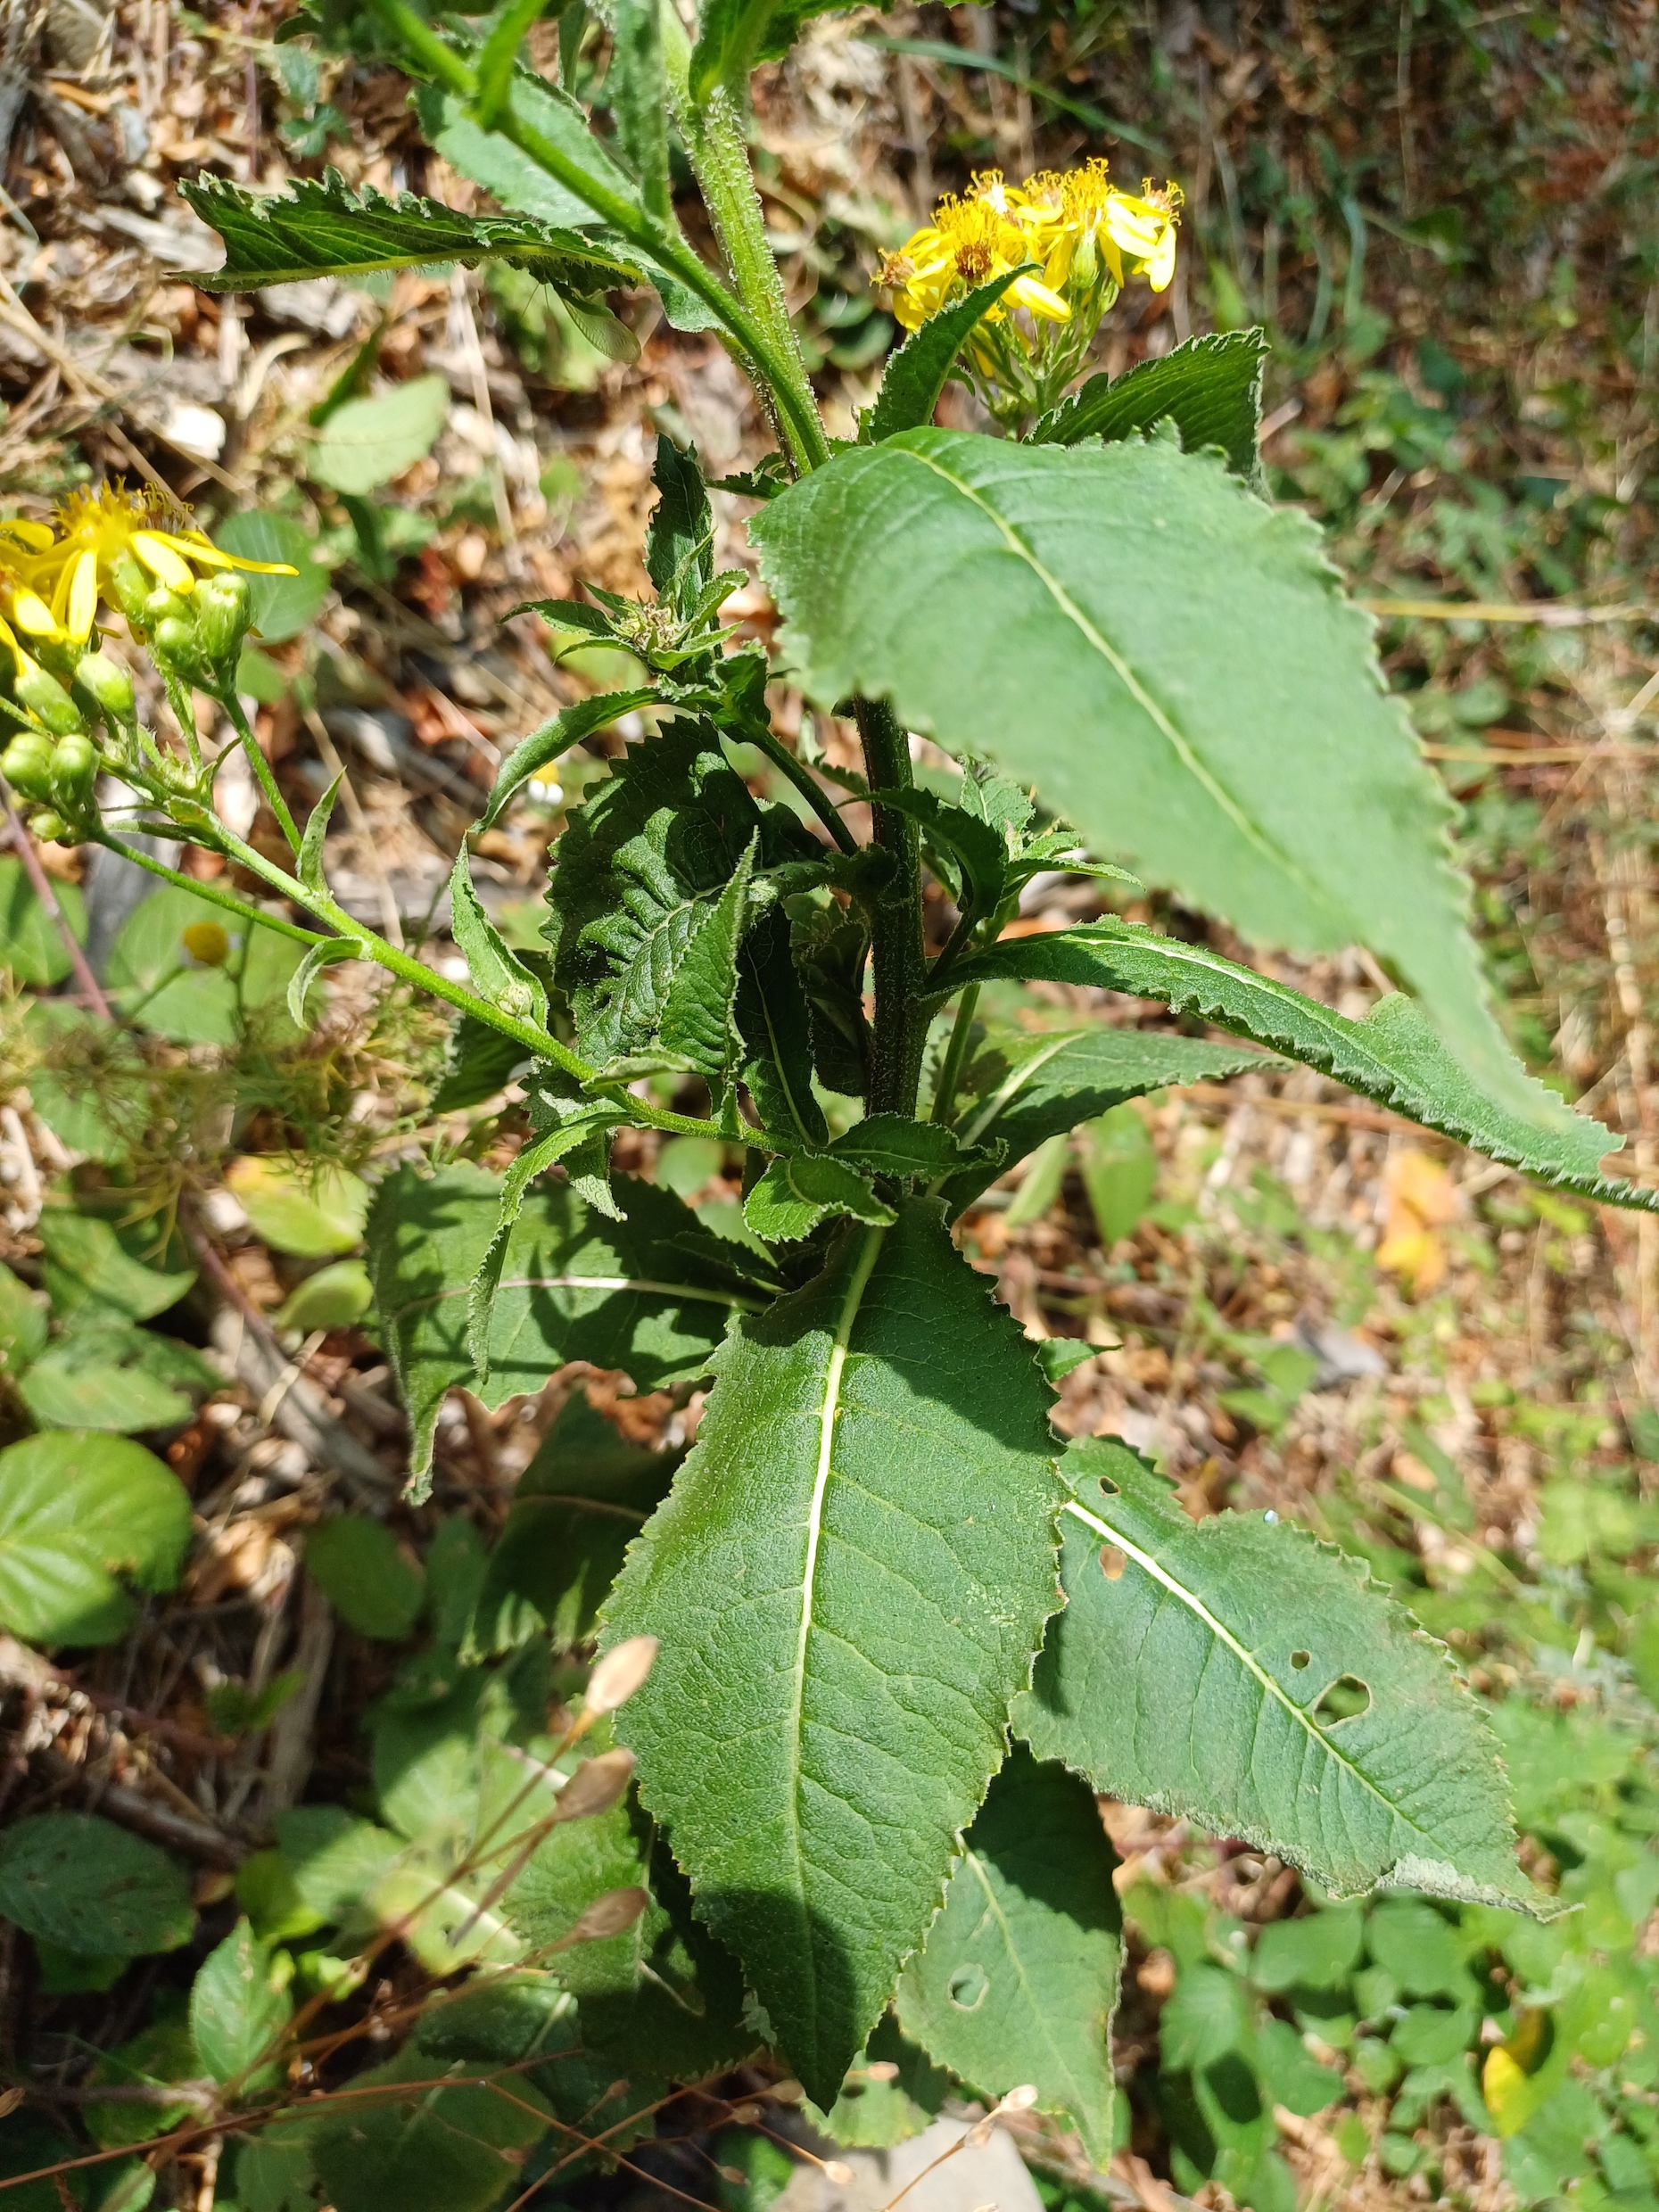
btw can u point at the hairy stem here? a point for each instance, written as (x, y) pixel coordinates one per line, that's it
(803, 781)
(896, 952)
(780, 378)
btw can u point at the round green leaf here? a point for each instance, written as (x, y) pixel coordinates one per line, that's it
(76, 1509)
(281, 606)
(334, 1298)
(310, 1209)
(82, 1882)
(235, 2014)
(360, 1570)
(367, 443)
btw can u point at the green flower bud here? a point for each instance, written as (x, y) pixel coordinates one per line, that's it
(51, 829)
(129, 584)
(222, 615)
(109, 685)
(161, 606)
(26, 766)
(47, 701)
(177, 650)
(74, 771)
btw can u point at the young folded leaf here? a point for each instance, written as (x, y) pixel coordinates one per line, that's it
(917, 373)
(794, 1195)
(572, 1286)
(892, 1145)
(848, 1580)
(1018, 1980)
(542, 747)
(1210, 388)
(497, 971)
(1058, 609)
(1392, 1056)
(1214, 1670)
(1023, 1089)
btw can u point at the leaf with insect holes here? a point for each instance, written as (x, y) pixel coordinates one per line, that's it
(1235, 745)
(323, 228)
(1392, 1056)
(847, 1580)
(1021, 1089)
(1240, 1675)
(574, 1286)
(1210, 388)
(1018, 1979)
(918, 372)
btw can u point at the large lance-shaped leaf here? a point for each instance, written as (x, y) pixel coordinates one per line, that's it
(1203, 1671)
(1172, 664)
(848, 1580)
(573, 1285)
(1019, 1978)
(323, 229)
(1026, 1089)
(1392, 1056)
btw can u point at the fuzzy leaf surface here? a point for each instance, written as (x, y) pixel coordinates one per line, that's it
(1018, 1978)
(1058, 609)
(1209, 388)
(796, 1194)
(1026, 1089)
(848, 1580)
(572, 1286)
(324, 229)
(1192, 1683)
(915, 376)
(1392, 1056)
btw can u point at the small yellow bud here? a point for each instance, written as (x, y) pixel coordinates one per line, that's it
(208, 943)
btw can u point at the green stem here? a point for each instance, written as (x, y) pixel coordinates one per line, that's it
(211, 891)
(261, 767)
(955, 1056)
(771, 367)
(896, 952)
(802, 778)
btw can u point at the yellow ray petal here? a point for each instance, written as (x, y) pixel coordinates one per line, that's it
(37, 536)
(83, 596)
(163, 560)
(31, 613)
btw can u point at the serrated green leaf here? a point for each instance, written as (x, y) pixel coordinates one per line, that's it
(892, 1145)
(535, 1158)
(367, 443)
(698, 1016)
(641, 871)
(680, 537)
(1188, 685)
(976, 845)
(572, 1287)
(1392, 1056)
(392, 2138)
(1025, 1089)
(569, 727)
(478, 1062)
(80, 1882)
(1018, 1979)
(362, 1569)
(235, 2014)
(662, 1995)
(324, 229)
(1188, 1672)
(847, 1579)
(76, 1510)
(918, 372)
(795, 1194)
(583, 1498)
(1209, 388)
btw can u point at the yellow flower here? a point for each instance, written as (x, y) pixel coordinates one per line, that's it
(1142, 231)
(114, 544)
(966, 244)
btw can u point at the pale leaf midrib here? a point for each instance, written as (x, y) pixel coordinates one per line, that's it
(1247, 1659)
(1042, 2010)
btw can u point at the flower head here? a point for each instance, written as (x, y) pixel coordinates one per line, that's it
(1075, 240)
(117, 545)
